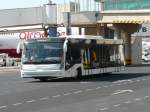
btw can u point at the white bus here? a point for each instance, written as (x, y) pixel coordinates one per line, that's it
(73, 56)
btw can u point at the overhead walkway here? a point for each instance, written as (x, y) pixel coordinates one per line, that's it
(46, 14)
(126, 16)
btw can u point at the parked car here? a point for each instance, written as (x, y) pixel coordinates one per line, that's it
(5, 60)
(146, 56)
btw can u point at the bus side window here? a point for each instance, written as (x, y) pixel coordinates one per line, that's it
(88, 57)
(73, 56)
(76, 55)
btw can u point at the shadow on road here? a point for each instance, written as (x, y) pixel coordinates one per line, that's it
(140, 65)
(98, 78)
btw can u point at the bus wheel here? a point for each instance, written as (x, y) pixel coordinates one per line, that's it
(78, 73)
(43, 79)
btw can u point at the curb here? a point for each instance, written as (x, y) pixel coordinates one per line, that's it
(6, 69)
(138, 65)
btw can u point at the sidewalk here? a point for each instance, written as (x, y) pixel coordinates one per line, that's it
(9, 68)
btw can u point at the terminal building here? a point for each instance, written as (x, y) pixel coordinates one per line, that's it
(130, 20)
(118, 19)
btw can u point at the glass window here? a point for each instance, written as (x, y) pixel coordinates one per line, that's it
(43, 52)
(126, 4)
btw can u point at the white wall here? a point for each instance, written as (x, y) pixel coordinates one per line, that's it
(136, 50)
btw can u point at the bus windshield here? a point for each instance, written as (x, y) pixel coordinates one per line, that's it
(42, 52)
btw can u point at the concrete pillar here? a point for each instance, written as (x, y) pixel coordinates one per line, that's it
(128, 58)
(102, 28)
(98, 29)
(80, 30)
(136, 50)
(126, 31)
(118, 35)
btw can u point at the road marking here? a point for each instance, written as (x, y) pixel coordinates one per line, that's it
(138, 80)
(125, 83)
(44, 98)
(89, 89)
(84, 82)
(111, 85)
(76, 92)
(127, 102)
(1, 107)
(130, 82)
(137, 99)
(105, 86)
(56, 96)
(30, 101)
(143, 79)
(66, 94)
(117, 105)
(16, 104)
(145, 97)
(103, 109)
(120, 81)
(119, 84)
(122, 91)
(98, 88)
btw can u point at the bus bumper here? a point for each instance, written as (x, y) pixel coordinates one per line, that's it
(41, 73)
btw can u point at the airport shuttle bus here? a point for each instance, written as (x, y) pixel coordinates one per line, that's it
(72, 56)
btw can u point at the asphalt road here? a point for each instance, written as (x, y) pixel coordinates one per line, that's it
(127, 91)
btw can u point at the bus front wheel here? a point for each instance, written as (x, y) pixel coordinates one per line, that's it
(43, 79)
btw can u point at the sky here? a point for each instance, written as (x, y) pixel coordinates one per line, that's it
(9, 4)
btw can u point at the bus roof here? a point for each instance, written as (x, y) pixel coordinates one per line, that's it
(99, 39)
(84, 37)
(46, 39)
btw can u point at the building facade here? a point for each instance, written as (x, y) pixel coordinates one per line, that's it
(126, 4)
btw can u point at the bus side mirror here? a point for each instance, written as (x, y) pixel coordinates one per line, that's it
(18, 50)
(65, 46)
